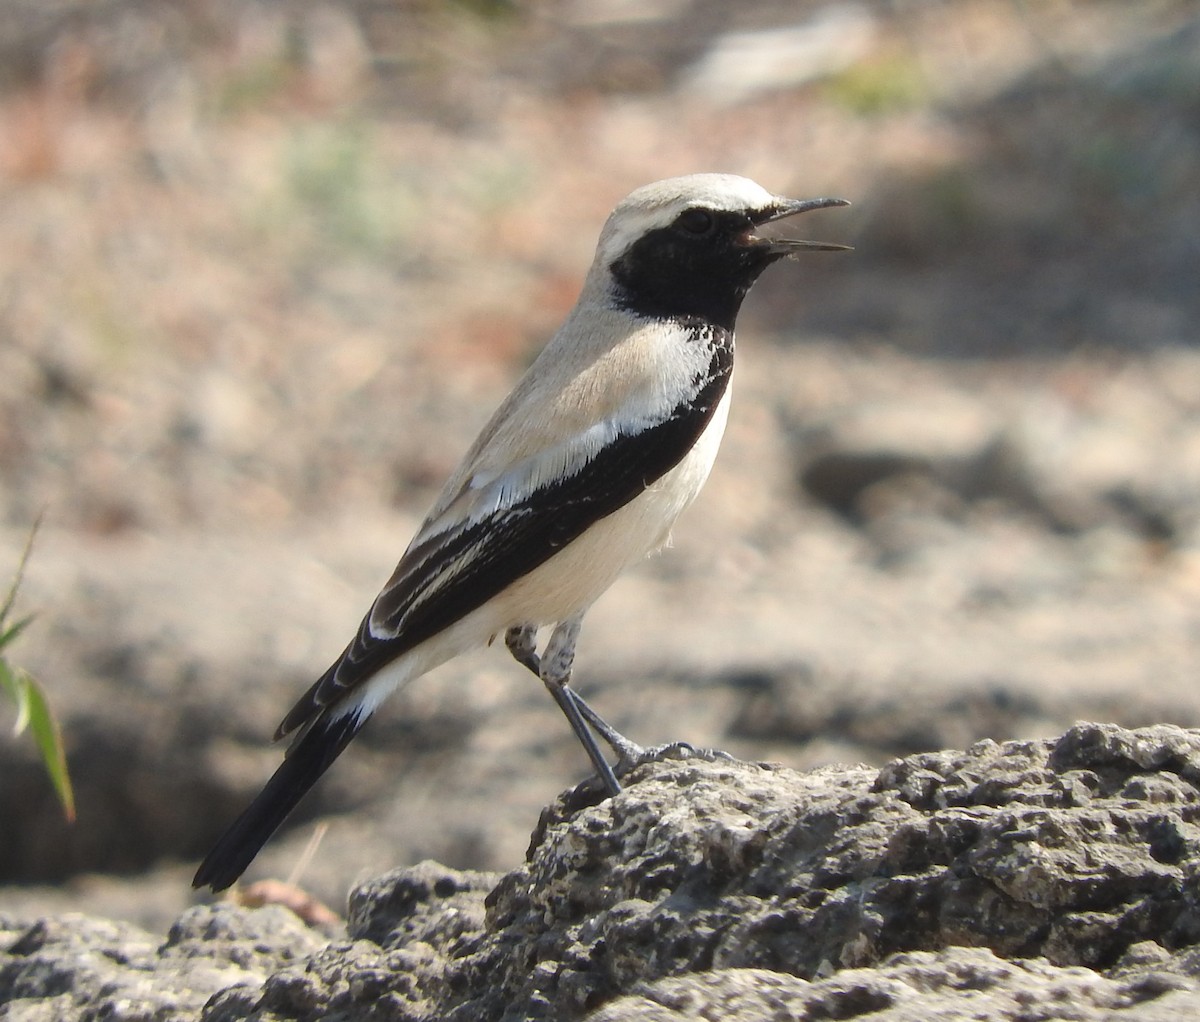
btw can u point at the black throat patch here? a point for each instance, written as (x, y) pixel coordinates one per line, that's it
(666, 274)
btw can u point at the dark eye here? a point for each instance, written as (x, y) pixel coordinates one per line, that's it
(696, 222)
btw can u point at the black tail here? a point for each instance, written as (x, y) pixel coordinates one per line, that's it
(306, 761)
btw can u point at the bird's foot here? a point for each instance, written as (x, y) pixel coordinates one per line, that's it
(637, 755)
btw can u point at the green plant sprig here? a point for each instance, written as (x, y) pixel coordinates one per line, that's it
(33, 708)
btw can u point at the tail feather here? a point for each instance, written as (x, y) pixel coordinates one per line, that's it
(308, 758)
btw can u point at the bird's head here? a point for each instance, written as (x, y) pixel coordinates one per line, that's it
(689, 246)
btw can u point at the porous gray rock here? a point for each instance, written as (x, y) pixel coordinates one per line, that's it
(1026, 880)
(72, 967)
(1073, 850)
(955, 983)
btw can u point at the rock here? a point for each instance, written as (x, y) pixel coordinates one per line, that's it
(74, 967)
(956, 983)
(1028, 848)
(427, 903)
(1030, 879)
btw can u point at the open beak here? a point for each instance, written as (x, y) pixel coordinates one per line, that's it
(788, 208)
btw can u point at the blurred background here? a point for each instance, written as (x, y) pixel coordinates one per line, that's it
(266, 267)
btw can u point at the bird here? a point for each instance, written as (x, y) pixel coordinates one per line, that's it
(581, 471)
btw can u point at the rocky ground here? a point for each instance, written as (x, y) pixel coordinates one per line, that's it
(1026, 880)
(268, 268)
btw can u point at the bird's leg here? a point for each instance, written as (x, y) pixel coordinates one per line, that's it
(521, 641)
(628, 753)
(555, 672)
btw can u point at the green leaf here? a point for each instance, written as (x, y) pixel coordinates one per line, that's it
(33, 711)
(48, 735)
